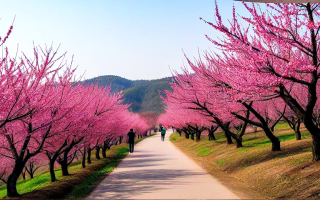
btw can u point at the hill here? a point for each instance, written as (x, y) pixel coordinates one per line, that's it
(142, 94)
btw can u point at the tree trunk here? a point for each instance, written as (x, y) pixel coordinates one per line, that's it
(51, 168)
(192, 136)
(64, 168)
(120, 139)
(186, 133)
(89, 156)
(198, 136)
(239, 142)
(264, 125)
(12, 180)
(298, 134)
(297, 130)
(179, 131)
(211, 135)
(315, 148)
(229, 140)
(212, 130)
(274, 140)
(23, 175)
(103, 150)
(83, 162)
(98, 152)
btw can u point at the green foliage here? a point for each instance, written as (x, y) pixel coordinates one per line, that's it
(142, 94)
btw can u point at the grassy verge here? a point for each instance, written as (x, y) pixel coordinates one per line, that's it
(288, 174)
(78, 185)
(87, 186)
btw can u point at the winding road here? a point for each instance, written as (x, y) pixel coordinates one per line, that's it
(158, 170)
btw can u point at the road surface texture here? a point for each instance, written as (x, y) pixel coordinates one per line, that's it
(158, 170)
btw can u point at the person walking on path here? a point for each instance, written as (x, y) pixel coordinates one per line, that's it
(163, 133)
(131, 135)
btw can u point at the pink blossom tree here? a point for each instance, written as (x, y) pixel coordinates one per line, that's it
(28, 110)
(283, 49)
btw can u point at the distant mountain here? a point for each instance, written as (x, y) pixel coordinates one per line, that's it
(142, 94)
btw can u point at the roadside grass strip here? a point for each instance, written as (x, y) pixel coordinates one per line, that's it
(79, 184)
(289, 173)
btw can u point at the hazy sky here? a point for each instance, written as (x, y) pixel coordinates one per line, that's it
(135, 39)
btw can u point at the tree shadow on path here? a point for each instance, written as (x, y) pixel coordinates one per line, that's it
(122, 185)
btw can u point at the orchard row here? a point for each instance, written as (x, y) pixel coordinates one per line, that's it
(47, 117)
(267, 71)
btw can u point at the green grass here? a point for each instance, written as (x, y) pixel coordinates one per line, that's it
(174, 136)
(84, 188)
(248, 143)
(203, 151)
(282, 125)
(43, 180)
(24, 186)
(277, 174)
(221, 162)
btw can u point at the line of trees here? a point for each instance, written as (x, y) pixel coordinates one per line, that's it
(48, 118)
(267, 71)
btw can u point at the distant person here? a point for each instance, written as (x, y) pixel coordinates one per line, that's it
(131, 135)
(163, 133)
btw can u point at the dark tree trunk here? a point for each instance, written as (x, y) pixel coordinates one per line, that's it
(263, 124)
(198, 136)
(186, 133)
(64, 169)
(53, 158)
(196, 130)
(120, 139)
(98, 152)
(21, 160)
(104, 149)
(298, 134)
(239, 142)
(211, 130)
(297, 129)
(31, 169)
(12, 180)
(211, 136)
(52, 174)
(83, 161)
(89, 156)
(274, 140)
(64, 163)
(315, 148)
(192, 136)
(179, 131)
(229, 140)
(228, 133)
(23, 174)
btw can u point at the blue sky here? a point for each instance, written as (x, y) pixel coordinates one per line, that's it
(135, 39)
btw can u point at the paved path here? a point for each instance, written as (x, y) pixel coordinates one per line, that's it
(158, 170)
